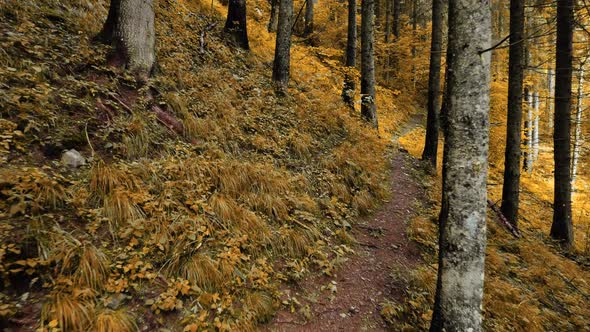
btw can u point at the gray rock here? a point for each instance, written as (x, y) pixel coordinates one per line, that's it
(72, 158)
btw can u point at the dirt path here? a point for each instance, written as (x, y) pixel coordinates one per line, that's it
(363, 282)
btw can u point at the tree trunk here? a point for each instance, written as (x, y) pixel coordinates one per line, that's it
(235, 25)
(308, 18)
(527, 165)
(274, 16)
(106, 35)
(349, 85)
(432, 122)
(463, 216)
(368, 106)
(578, 139)
(551, 88)
(280, 71)
(511, 186)
(135, 38)
(562, 229)
(388, 5)
(535, 136)
(396, 18)
(377, 8)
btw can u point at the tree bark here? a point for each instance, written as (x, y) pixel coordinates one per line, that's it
(527, 165)
(368, 105)
(106, 35)
(432, 123)
(578, 139)
(551, 89)
(562, 229)
(387, 30)
(235, 25)
(511, 186)
(135, 38)
(308, 18)
(396, 17)
(274, 16)
(282, 60)
(463, 214)
(349, 85)
(535, 135)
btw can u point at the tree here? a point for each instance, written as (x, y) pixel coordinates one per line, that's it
(562, 229)
(511, 186)
(368, 106)
(578, 137)
(527, 164)
(106, 34)
(134, 38)
(235, 25)
(308, 18)
(349, 86)
(462, 220)
(396, 18)
(432, 124)
(282, 60)
(274, 16)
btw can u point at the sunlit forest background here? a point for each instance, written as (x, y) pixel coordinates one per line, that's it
(195, 223)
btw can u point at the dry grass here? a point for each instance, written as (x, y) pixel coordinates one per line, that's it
(108, 320)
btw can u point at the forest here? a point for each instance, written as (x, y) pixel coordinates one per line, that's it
(294, 165)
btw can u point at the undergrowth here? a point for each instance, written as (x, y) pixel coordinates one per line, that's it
(161, 229)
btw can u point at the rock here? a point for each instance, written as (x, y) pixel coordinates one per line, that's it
(115, 301)
(73, 158)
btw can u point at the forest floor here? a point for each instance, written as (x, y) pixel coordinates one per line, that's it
(351, 299)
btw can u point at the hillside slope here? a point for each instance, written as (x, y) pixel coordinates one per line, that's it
(191, 208)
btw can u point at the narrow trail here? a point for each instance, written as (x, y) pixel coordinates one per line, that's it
(363, 282)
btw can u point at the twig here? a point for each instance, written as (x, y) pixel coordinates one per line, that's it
(203, 35)
(503, 221)
(88, 139)
(127, 108)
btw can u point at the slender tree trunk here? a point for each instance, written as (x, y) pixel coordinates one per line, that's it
(387, 32)
(349, 85)
(235, 25)
(463, 215)
(135, 38)
(308, 18)
(280, 71)
(578, 139)
(562, 229)
(527, 165)
(396, 18)
(368, 105)
(511, 186)
(432, 122)
(107, 33)
(377, 9)
(551, 89)
(274, 16)
(535, 136)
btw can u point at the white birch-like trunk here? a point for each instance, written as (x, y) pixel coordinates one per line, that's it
(462, 240)
(535, 135)
(578, 139)
(550, 103)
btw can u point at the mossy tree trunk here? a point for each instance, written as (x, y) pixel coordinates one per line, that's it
(235, 25)
(368, 105)
(280, 72)
(463, 215)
